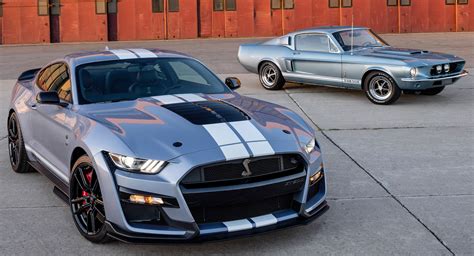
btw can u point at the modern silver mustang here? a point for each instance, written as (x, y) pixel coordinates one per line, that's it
(147, 145)
(354, 58)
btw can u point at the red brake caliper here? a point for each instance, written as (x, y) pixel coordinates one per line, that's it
(88, 176)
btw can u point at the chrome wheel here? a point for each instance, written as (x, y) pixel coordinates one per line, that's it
(13, 142)
(86, 200)
(380, 88)
(269, 75)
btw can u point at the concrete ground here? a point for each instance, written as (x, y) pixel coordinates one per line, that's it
(400, 177)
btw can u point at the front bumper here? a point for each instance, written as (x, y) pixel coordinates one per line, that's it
(128, 237)
(178, 222)
(426, 83)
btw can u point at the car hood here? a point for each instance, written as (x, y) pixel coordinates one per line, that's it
(152, 129)
(409, 55)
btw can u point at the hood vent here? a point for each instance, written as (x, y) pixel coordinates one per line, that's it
(207, 112)
(420, 52)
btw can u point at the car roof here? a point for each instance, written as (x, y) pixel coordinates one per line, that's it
(79, 58)
(327, 29)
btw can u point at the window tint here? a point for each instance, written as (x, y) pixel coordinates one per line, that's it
(463, 1)
(43, 7)
(289, 4)
(392, 2)
(120, 80)
(346, 3)
(56, 78)
(173, 5)
(218, 5)
(186, 73)
(100, 6)
(312, 42)
(157, 5)
(230, 5)
(405, 2)
(333, 3)
(276, 4)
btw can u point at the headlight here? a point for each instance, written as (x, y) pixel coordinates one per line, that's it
(446, 68)
(413, 72)
(439, 69)
(132, 164)
(310, 146)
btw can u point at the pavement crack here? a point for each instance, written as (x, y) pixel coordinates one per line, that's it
(374, 179)
(390, 128)
(2, 138)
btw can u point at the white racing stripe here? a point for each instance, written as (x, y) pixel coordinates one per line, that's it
(222, 134)
(189, 97)
(168, 99)
(123, 54)
(247, 131)
(264, 220)
(144, 53)
(234, 151)
(237, 225)
(261, 148)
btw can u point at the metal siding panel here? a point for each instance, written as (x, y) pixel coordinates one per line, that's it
(262, 26)
(143, 20)
(420, 15)
(218, 23)
(303, 14)
(323, 15)
(126, 20)
(206, 18)
(21, 23)
(188, 19)
(289, 23)
(79, 22)
(276, 16)
(231, 23)
(245, 16)
(464, 12)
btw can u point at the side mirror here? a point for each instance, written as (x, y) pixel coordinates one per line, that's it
(51, 98)
(232, 82)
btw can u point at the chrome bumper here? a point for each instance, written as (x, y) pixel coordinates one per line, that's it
(462, 74)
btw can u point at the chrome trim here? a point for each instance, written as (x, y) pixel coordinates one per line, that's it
(462, 74)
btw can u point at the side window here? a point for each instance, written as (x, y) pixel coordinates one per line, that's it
(312, 42)
(186, 73)
(56, 78)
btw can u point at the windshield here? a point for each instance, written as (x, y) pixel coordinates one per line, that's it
(120, 80)
(363, 38)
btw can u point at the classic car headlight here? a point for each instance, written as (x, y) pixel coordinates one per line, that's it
(413, 72)
(132, 164)
(309, 147)
(439, 69)
(446, 68)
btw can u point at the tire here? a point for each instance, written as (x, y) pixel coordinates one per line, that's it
(381, 89)
(270, 76)
(87, 206)
(16, 147)
(432, 91)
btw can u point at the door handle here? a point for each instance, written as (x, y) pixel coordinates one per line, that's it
(34, 106)
(296, 53)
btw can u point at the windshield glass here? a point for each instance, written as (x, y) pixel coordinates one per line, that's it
(363, 38)
(120, 80)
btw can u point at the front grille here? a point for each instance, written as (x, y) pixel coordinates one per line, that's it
(206, 214)
(234, 172)
(454, 67)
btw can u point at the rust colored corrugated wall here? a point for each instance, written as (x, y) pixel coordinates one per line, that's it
(465, 15)
(183, 24)
(21, 23)
(79, 22)
(323, 15)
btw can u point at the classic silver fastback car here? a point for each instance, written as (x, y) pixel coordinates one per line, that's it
(354, 58)
(146, 144)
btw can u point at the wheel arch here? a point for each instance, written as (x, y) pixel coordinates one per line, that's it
(76, 154)
(263, 61)
(376, 69)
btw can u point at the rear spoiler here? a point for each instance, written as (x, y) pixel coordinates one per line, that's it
(28, 75)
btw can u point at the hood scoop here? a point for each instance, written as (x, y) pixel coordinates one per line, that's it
(207, 112)
(419, 52)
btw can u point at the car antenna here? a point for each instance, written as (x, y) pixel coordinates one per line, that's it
(352, 35)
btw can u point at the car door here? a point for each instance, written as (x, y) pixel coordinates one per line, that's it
(316, 59)
(51, 124)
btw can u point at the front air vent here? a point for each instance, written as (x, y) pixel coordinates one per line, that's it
(207, 112)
